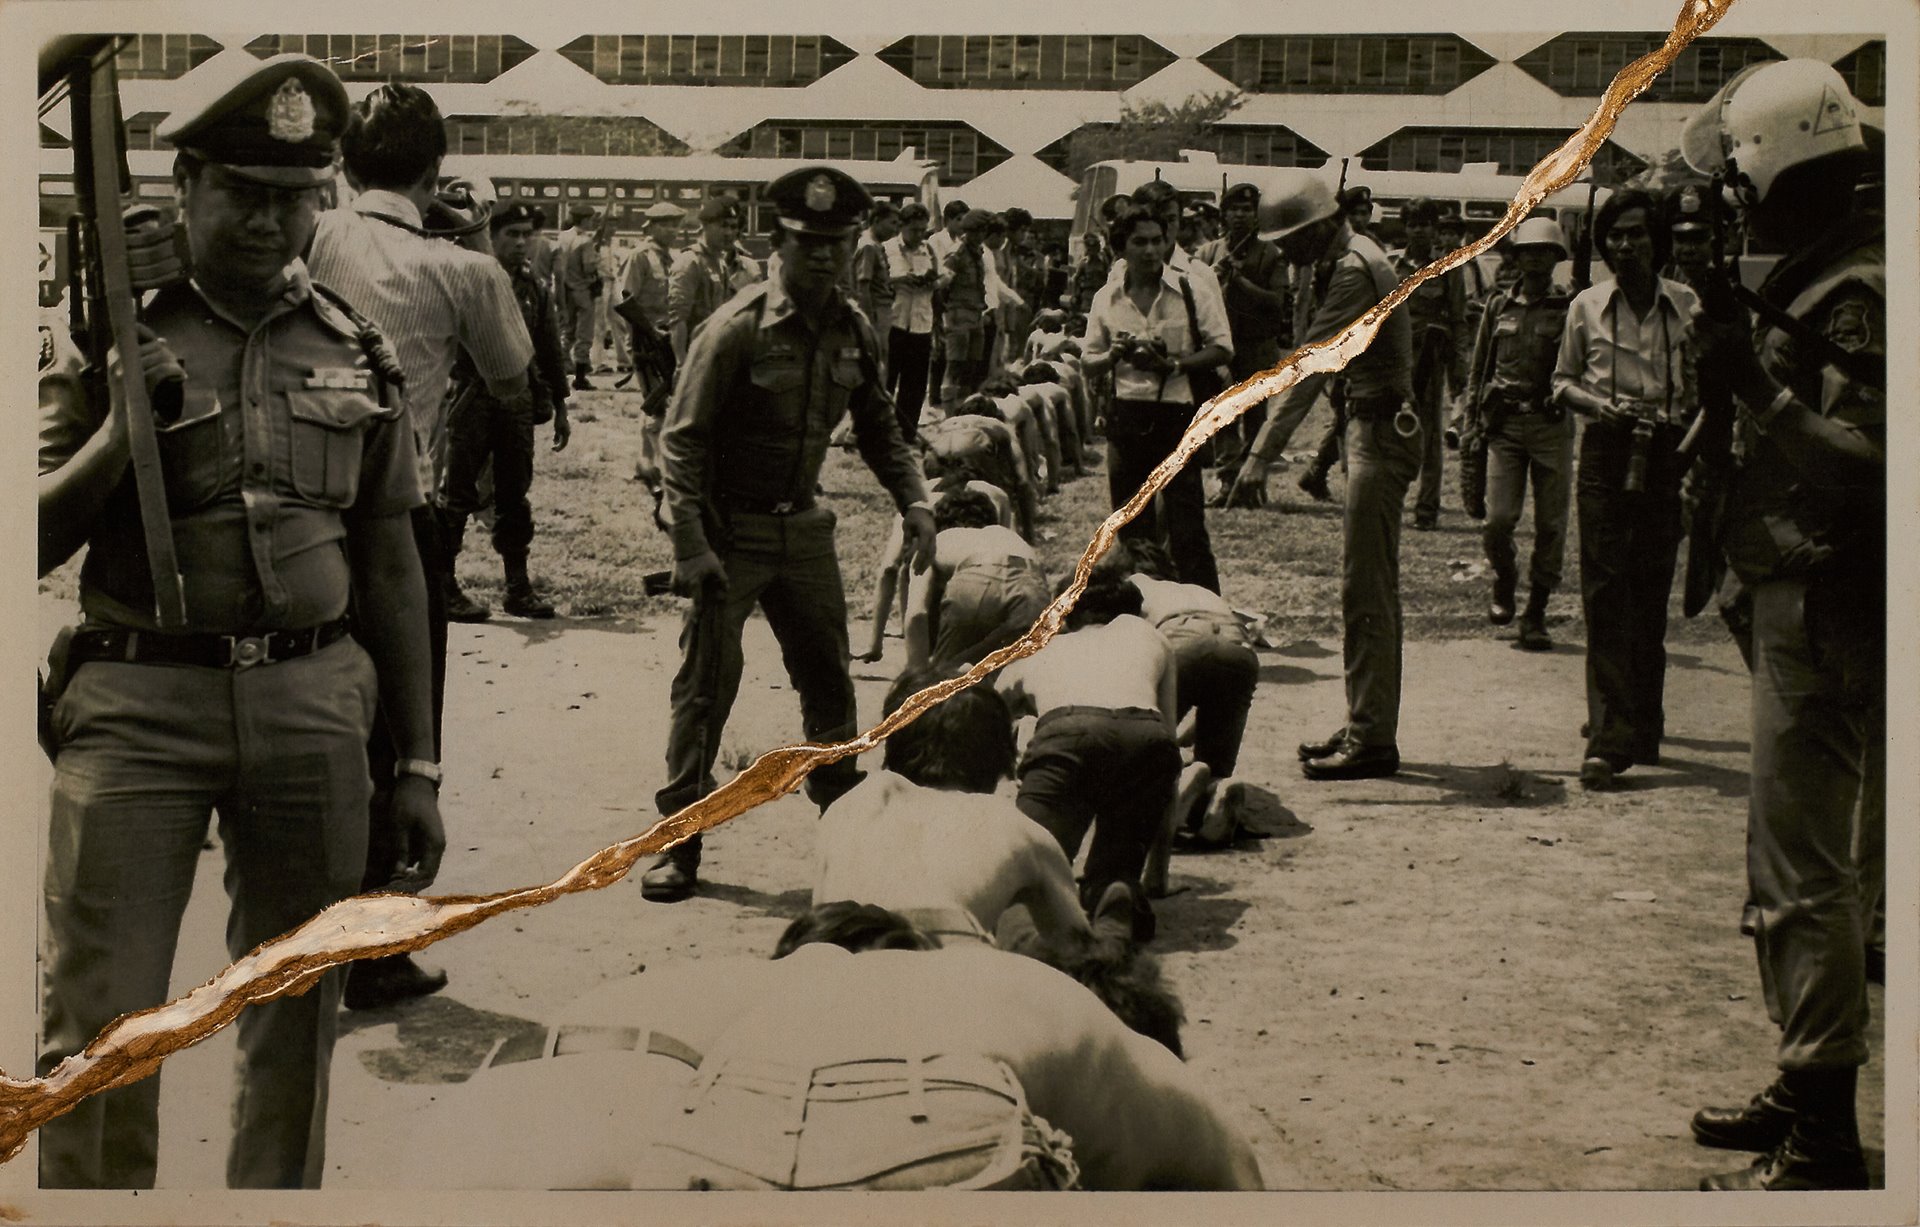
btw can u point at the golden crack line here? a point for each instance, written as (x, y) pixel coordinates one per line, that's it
(133, 1046)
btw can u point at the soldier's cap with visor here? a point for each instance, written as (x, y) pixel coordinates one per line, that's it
(1241, 193)
(719, 209)
(277, 123)
(1687, 211)
(515, 214)
(663, 211)
(819, 200)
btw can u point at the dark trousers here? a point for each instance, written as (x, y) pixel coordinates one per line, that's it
(1429, 401)
(147, 752)
(1230, 446)
(1113, 771)
(785, 566)
(486, 429)
(1629, 543)
(1140, 434)
(1816, 819)
(1381, 463)
(383, 841)
(1217, 672)
(908, 355)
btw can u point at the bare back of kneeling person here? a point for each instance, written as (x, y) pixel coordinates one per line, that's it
(1215, 665)
(831, 1069)
(890, 578)
(982, 446)
(927, 837)
(983, 591)
(1103, 753)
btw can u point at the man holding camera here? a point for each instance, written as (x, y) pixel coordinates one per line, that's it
(1626, 364)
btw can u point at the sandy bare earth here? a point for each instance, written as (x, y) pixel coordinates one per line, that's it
(1424, 984)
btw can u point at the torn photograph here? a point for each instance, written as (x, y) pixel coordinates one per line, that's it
(639, 610)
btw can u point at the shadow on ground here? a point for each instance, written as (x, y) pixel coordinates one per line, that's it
(440, 1039)
(1198, 915)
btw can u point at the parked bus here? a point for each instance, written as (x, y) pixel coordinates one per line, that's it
(1479, 194)
(621, 186)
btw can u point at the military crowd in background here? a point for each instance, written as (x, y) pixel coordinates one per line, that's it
(337, 392)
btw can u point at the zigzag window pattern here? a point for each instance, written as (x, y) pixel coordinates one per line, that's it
(609, 135)
(1582, 65)
(163, 55)
(961, 151)
(778, 60)
(466, 58)
(1265, 145)
(1514, 149)
(1348, 63)
(1026, 61)
(1866, 72)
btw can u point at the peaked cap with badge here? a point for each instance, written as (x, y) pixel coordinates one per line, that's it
(277, 123)
(819, 200)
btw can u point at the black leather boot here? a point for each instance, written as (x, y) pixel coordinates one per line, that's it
(1821, 1151)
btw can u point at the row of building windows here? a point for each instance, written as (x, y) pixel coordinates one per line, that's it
(610, 135)
(163, 55)
(1240, 144)
(1026, 61)
(1347, 63)
(961, 151)
(1583, 65)
(425, 58)
(1515, 150)
(1866, 72)
(708, 59)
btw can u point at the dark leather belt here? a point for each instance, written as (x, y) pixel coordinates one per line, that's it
(1372, 408)
(208, 650)
(759, 507)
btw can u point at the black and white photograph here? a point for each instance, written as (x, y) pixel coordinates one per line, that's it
(1458, 793)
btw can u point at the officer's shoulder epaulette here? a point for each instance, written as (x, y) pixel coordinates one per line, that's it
(333, 310)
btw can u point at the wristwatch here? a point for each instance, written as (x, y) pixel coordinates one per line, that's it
(426, 769)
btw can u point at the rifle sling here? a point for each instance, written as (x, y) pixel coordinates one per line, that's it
(149, 482)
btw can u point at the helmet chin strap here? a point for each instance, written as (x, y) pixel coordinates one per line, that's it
(1735, 188)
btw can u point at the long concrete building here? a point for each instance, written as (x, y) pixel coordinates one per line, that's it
(999, 113)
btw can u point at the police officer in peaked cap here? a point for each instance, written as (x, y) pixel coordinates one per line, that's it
(783, 361)
(290, 482)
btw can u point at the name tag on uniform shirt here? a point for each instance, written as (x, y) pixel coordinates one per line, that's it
(345, 378)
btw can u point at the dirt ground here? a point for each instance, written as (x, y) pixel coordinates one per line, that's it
(1467, 977)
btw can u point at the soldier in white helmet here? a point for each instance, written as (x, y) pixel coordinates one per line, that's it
(1346, 274)
(1806, 533)
(1528, 436)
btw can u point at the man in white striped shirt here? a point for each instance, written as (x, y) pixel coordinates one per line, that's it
(431, 298)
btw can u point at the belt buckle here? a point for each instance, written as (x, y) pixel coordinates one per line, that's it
(783, 508)
(246, 651)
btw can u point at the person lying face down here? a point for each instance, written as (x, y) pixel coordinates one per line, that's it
(686, 1076)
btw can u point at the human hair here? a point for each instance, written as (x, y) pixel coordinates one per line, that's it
(1108, 595)
(1420, 211)
(1127, 981)
(913, 211)
(1622, 202)
(1017, 218)
(539, 218)
(881, 210)
(1124, 225)
(1155, 193)
(983, 405)
(962, 745)
(1149, 558)
(852, 926)
(1039, 372)
(394, 137)
(964, 509)
(187, 165)
(955, 208)
(1001, 384)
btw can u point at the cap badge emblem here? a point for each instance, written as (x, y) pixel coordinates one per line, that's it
(290, 114)
(820, 194)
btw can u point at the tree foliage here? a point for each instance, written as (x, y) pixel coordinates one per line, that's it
(1151, 131)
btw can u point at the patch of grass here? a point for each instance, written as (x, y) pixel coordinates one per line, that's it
(595, 538)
